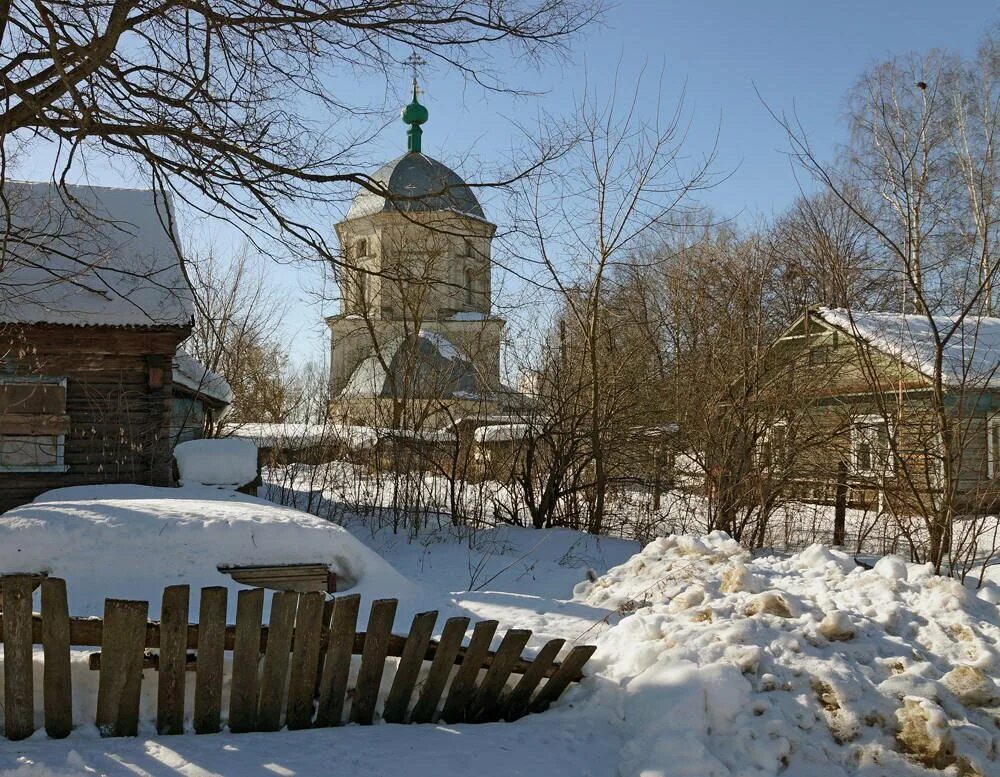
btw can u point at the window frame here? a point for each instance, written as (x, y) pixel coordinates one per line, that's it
(60, 439)
(870, 420)
(993, 445)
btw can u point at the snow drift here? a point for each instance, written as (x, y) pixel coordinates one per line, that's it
(130, 542)
(801, 665)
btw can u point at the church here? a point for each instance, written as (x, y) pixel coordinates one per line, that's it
(415, 345)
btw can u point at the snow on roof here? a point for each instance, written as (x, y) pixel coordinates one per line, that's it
(216, 462)
(130, 542)
(971, 355)
(440, 369)
(292, 435)
(197, 378)
(90, 256)
(501, 433)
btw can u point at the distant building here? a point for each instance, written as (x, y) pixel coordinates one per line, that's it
(876, 441)
(416, 344)
(94, 303)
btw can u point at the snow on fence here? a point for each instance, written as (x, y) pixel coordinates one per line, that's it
(305, 673)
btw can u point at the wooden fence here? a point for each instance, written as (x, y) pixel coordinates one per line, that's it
(296, 670)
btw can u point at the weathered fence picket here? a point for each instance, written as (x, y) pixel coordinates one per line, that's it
(293, 671)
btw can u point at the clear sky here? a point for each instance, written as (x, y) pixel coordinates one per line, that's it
(802, 55)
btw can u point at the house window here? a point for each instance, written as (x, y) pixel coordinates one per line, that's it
(993, 445)
(870, 446)
(820, 354)
(774, 445)
(33, 424)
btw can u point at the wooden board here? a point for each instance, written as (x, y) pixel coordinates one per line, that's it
(424, 711)
(121, 668)
(18, 683)
(463, 687)
(279, 643)
(565, 674)
(305, 661)
(56, 678)
(172, 660)
(337, 663)
(246, 661)
(286, 577)
(483, 706)
(211, 660)
(419, 638)
(516, 704)
(373, 661)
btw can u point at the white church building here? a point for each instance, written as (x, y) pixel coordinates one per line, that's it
(416, 345)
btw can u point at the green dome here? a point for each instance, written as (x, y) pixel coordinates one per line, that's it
(414, 113)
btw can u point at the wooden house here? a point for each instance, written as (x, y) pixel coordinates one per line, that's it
(874, 409)
(93, 305)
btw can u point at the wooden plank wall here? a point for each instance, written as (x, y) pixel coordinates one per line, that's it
(117, 399)
(295, 671)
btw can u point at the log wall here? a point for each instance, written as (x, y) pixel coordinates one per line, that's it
(117, 398)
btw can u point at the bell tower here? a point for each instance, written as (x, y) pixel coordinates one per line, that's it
(416, 277)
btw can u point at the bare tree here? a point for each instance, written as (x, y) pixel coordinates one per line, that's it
(625, 179)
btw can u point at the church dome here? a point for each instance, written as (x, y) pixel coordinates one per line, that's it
(417, 183)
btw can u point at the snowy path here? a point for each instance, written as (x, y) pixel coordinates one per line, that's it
(529, 748)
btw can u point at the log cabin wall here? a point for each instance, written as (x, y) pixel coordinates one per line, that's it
(117, 404)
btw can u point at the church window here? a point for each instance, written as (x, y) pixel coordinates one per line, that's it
(469, 291)
(361, 249)
(467, 247)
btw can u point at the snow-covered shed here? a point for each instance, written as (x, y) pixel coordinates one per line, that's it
(94, 303)
(200, 399)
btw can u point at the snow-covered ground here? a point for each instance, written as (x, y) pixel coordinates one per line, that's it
(709, 663)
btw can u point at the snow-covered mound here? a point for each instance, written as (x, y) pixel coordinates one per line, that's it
(127, 541)
(808, 665)
(214, 462)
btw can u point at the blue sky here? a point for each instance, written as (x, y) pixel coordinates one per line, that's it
(802, 56)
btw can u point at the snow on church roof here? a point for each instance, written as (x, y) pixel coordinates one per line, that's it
(415, 182)
(90, 256)
(436, 367)
(971, 355)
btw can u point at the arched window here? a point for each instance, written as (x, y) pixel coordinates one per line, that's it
(469, 250)
(469, 291)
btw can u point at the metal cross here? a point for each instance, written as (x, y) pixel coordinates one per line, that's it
(415, 61)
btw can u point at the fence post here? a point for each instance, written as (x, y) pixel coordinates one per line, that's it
(18, 685)
(120, 683)
(373, 660)
(246, 661)
(173, 660)
(211, 660)
(57, 682)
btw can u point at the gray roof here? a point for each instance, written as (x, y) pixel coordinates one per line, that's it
(433, 366)
(90, 256)
(417, 183)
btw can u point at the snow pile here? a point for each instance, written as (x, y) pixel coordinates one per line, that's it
(130, 542)
(803, 665)
(216, 462)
